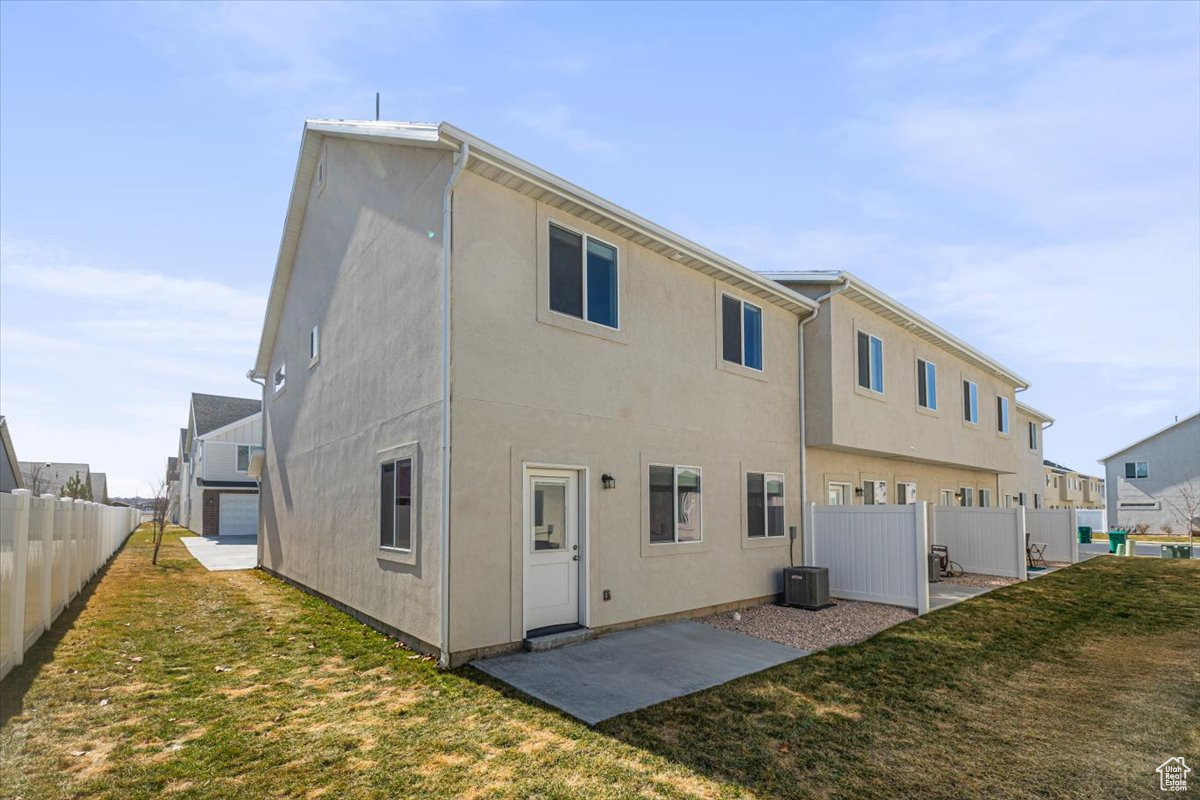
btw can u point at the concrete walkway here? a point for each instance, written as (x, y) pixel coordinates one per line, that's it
(942, 594)
(222, 553)
(628, 670)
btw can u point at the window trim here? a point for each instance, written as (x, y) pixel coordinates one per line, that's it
(546, 217)
(583, 266)
(742, 303)
(1135, 476)
(279, 379)
(314, 345)
(250, 448)
(402, 452)
(1035, 432)
(870, 391)
(974, 423)
(766, 537)
(926, 409)
(675, 503)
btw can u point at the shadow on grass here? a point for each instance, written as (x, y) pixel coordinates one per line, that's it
(16, 684)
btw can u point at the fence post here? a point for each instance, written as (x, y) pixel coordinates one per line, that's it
(1022, 571)
(48, 557)
(16, 622)
(1074, 540)
(921, 541)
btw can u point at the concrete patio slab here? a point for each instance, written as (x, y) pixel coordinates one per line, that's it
(223, 553)
(947, 594)
(628, 670)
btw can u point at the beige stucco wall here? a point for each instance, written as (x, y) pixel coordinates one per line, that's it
(368, 271)
(528, 388)
(831, 466)
(1029, 477)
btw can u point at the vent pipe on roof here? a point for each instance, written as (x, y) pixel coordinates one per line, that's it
(377, 106)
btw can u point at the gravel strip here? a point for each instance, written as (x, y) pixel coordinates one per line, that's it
(847, 622)
(981, 581)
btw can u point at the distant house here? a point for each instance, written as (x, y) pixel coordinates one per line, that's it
(172, 479)
(49, 477)
(217, 495)
(10, 469)
(1069, 488)
(99, 487)
(1155, 480)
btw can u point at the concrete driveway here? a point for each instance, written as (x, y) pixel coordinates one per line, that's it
(621, 672)
(223, 553)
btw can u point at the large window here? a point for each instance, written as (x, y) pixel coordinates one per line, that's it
(1002, 414)
(583, 277)
(1033, 436)
(971, 402)
(870, 362)
(741, 332)
(926, 384)
(244, 453)
(764, 504)
(675, 507)
(395, 504)
(1137, 469)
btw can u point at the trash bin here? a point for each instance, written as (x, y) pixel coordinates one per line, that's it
(1085, 534)
(1116, 538)
(1176, 551)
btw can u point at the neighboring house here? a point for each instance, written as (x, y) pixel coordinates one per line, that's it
(1026, 487)
(172, 480)
(1069, 488)
(217, 496)
(10, 468)
(49, 477)
(617, 436)
(99, 482)
(898, 410)
(1156, 481)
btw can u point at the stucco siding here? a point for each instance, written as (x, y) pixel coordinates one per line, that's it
(1173, 462)
(368, 272)
(528, 388)
(831, 466)
(1028, 478)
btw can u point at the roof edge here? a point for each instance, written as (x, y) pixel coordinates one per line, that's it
(1158, 432)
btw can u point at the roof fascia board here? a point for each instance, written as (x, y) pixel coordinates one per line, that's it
(1033, 412)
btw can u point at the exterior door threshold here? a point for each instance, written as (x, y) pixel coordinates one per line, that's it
(554, 636)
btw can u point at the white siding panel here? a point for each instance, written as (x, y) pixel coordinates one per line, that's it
(220, 462)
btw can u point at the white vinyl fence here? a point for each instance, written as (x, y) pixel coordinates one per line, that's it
(49, 548)
(1094, 518)
(990, 541)
(874, 553)
(1058, 529)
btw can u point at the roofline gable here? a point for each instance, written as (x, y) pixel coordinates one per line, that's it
(1145, 439)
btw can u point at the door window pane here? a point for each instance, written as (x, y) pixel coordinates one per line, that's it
(731, 329)
(756, 504)
(752, 334)
(550, 516)
(662, 504)
(775, 505)
(688, 504)
(566, 272)
(387, 505)
(601, 283)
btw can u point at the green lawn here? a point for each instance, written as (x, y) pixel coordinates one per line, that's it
(235, 685)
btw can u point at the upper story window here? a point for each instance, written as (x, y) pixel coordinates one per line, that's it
(675, 507)
(926, 384)
(764, 504)
(741, 332)
(244, 453)
(1137, 469)
(1002, 414)
(314, 344)
(279, 380)
(583, 277)
(971, 402)
(1033, 436)
(870, 362)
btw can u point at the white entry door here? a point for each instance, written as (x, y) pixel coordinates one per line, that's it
(238, 514)
(551, 548)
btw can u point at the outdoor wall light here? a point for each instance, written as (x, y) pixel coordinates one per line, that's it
(609, 481)
(858, 492)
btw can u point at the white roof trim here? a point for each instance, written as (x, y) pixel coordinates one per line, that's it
(1158, 432)
(933, 331)
(1033, 412)
(449, 137)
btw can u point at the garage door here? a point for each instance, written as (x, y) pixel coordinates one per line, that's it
(238, 514)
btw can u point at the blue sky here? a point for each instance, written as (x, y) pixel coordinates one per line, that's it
(1026, 174)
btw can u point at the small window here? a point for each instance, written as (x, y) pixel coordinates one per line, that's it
(280, 378)
(244, 453)
(1033, 436)
(1037, 500)
(314, 344)
(946, 497)
(971, 402)
(966, 497)
(870, 362)
(741, 332)
(985, 498)
(1002, 414)
(1137, 469)
(1022, 499)
(875, 493)
(395, 504)
(675, 507)
(906, 493)
(926, 384)
(764, 504)
(583, 277)
(322, 169)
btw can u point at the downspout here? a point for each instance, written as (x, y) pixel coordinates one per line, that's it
(803, 424)
(460, 161)
(263, 437)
